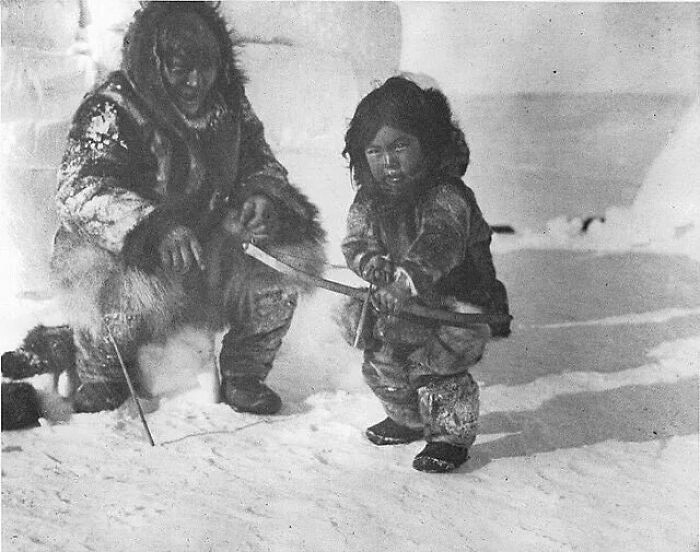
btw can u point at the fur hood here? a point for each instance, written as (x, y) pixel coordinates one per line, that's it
(142, 65)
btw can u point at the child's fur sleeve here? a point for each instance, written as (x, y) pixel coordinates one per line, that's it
(441, 244)
(361, 242)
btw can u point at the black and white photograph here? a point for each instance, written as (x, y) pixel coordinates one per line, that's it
(314, 276)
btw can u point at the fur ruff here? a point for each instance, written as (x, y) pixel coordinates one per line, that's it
(44, 350)
(140, 61)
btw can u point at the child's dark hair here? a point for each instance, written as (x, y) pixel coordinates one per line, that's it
(402, 104)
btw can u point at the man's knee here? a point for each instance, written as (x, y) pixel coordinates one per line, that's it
(271, 309)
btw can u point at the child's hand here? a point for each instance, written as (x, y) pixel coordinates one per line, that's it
(391, 298)
(378, 271)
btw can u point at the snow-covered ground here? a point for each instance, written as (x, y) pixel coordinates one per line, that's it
(589, 422)
(589, 440)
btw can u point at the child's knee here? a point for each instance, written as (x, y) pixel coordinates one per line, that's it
(452, 350)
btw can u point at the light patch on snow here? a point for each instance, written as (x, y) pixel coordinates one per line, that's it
(664, 217)
(186, 361)
(676, 362)
(655, 317)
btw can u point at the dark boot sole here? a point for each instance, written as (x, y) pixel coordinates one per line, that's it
(433, 465)
(261, 410)
(382, 440)
(440, 458)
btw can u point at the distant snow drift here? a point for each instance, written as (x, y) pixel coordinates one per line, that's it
(668, 205)
(664, 217)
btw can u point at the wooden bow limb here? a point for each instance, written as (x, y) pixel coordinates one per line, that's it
(445, 317)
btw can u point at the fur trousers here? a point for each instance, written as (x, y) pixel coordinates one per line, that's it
(132, 308)
(249, 348)
(420, 373)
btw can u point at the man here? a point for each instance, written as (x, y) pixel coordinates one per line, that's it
(166, 172)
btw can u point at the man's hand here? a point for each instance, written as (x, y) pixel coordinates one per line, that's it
(378, 271)
(258, 218)
(179, 250)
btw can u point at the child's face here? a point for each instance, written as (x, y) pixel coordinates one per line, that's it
(396, 161)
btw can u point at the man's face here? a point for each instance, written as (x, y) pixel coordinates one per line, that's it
(189, 82)
(396, 161)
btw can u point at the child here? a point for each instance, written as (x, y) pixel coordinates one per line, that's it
(416, 233)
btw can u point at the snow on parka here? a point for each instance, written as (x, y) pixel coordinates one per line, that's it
(134, 168)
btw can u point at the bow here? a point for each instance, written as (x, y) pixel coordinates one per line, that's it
(448, 318)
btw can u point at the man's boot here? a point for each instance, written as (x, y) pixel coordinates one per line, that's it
(249, 394)
(250, 347)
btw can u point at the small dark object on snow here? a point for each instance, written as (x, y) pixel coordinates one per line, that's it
(388, 432)
(20, 406)
(502, 229)
(249, 394)
(588, 221)
(45, 350)
(440, 458)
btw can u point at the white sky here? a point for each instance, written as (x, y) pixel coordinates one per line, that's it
(518, 46)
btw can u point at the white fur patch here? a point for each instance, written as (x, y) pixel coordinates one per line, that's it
(185, 362)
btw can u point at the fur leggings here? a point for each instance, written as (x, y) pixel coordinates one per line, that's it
(421, 376)
(249, 347)
(140, 307)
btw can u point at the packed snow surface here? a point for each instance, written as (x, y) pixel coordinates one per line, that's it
(589, 439)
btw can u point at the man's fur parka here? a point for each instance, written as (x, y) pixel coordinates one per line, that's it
(134, 168)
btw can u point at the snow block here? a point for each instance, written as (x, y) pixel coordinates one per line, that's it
(48, 25)
(40, 84)
(303, 96)
(368, 34)
(34, 142)
(29, 222)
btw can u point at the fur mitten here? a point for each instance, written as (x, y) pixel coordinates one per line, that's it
(20, 406)
(45, 350)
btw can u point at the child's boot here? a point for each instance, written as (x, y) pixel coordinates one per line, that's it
(388, 432)
(440, 457)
